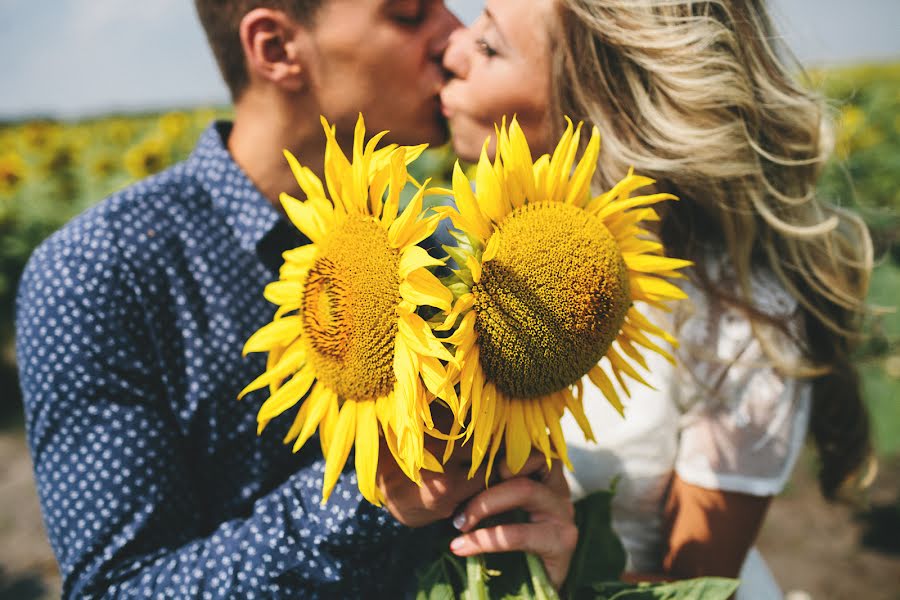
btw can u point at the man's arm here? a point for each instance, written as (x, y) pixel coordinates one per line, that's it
(117, 492)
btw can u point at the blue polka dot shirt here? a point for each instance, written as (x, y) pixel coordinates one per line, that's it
(152, 480)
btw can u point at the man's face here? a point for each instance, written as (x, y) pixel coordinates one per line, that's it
(382, 58)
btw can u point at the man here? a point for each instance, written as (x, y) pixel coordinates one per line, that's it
(130, 323)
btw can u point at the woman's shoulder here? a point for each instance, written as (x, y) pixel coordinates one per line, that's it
(724, 341)
(718, 310)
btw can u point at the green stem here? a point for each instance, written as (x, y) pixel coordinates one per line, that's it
(476, 588)
(543, 588)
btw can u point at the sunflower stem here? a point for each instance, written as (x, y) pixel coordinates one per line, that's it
(476, 588)
(543, 588)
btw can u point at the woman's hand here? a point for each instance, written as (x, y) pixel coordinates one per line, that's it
(550, 534)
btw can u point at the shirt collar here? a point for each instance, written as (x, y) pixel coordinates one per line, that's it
(247, 212)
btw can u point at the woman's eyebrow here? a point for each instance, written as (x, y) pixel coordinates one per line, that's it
(496, 25)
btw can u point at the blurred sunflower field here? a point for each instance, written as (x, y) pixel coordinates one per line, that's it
(50, 171)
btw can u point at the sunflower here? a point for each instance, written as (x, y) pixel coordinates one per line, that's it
(12, 173)
(548, 278)
(147, 157)
(346, 335)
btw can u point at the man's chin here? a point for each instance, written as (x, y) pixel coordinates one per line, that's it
(434, 133)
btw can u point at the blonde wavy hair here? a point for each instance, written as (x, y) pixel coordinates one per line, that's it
(697, 95)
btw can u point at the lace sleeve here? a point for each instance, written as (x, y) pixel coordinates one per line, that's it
(743, 422)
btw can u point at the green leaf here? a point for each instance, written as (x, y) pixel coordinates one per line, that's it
(599, 555)
(704, 588)
(435, 583)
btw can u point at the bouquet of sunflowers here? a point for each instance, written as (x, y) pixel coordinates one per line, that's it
(368, 339)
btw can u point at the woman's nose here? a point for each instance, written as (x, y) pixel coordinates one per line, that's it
(456, 59)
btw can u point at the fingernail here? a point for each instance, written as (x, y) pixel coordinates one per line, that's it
(459, 520)
(458, 544)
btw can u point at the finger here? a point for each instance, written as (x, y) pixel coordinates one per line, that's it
(535, 465)
(536, 468)
(553, 542)
(540, 500)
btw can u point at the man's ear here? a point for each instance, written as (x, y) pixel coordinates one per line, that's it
(271, 51)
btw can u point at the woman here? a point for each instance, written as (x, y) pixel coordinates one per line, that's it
(695, 95)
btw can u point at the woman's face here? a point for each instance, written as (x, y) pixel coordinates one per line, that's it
(500, 66)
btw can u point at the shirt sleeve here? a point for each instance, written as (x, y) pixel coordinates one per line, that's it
(120, 510)
(743, 420)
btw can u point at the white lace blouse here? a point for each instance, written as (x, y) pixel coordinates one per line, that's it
(722, 418)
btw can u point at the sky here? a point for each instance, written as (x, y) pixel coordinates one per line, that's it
(74, 58)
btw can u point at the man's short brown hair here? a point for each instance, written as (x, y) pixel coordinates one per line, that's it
(221, 20)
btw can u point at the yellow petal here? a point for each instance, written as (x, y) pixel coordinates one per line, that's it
(623, 365)
(636, 336)
(474, 267)
(297, 425)
(422, 288)
(417, 231)
(557, 170)
(575, 407)
(454, 435)
(329, 422)
(491, 200)
(623, 205)
(518, 442)
(278, 366)
(397, 183)
(319, 402)
(283, 292)
(648, 263)
(603, 383)
(483, 426)
(287, 396)
(416, 257)
(490, 251)
(630, 351)
(653, 288)
(641, 321)
(436, 380)
(419, 338)
(431, 463)
(309, 183)
(367, 450)
(501, 414)
(302, 255)
(277, 333)
(580, 185)
(313, 218)
(463, 304)
(534, 421)
(551, 418)
(401, 226)
(340, 447)
(476, 223)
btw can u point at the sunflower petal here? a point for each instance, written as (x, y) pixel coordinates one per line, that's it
(518, 442)
(306, 179)
(340, 447)
(598, 377)
(277, 333)
(416, 257)
(367, 450)
(422, 288)
(287, 396)
(475, 221)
